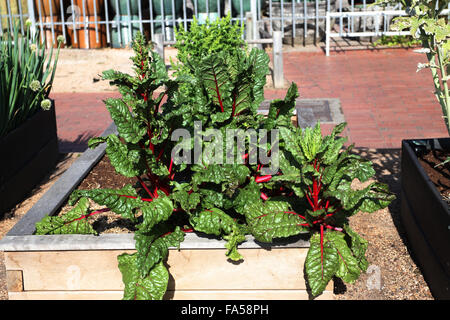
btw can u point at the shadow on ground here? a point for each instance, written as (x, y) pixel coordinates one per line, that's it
(80, 144)
(386, 163)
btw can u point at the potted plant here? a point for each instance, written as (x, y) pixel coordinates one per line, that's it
(425, 212)
(28, 126)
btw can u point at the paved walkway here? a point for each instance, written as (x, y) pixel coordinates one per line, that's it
(382, 97)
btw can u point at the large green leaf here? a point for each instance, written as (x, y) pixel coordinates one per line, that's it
(358, 246)
(218, 223)
(151, 287)
(213, 221)
(290, 137)
(216, 81)
(348, 269)
(126, 160)
(321, 263)
(259, 60)
(215, 173)
(152, 247)
(121, 201)
(278, 224)
(72, 222)
(156, 211)
(311, 141)
(369, 199)
(129, 128)
(233, 240)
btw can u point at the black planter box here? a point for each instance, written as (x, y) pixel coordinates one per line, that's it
(426, 217)
(28, 153)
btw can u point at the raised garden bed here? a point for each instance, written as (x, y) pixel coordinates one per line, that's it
(28, 154)
(425, 209)
(85, 266)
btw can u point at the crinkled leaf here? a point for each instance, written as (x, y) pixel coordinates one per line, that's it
(72, 222)
(152, 247)
(277, 224)
(156, 211)
(218, 223)
(233, 240)
(320, 265)
(290, 137)
(118, 201)
(95, 142)
(125, 160)
(129, 128)
(358, 246)
(311, 141)
(348, 270)
(213, 221)
(151, 287)
(229, 173)
(215, 78)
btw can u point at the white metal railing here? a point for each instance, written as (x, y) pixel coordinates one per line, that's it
(381, 24)
(114, 24)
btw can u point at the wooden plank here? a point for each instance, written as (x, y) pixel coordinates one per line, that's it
(14, 280)
(190, 269)
(260, 269)
(177, 295)
(246, 295)
(66, 295)
(67, 270)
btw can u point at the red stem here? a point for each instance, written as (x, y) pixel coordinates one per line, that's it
(150, 144)
(261, 179)
(132, 197)
(309, 200)
(145, 187)
(292, 212)
(218, 93)
(321, 248)
(234, 106)
(90, 214)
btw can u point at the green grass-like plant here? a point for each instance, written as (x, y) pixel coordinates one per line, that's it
(27, 71)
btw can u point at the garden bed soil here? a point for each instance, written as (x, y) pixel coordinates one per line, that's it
(440, 175)
(104, 176)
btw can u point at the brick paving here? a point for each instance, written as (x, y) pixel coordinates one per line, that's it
(382, 97)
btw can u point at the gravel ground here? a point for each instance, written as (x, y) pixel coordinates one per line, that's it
(392, 273)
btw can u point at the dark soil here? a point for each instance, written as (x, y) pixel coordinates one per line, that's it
(104, 176)
(439, 173)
